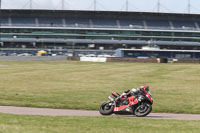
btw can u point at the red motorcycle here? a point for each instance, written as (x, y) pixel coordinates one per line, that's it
(137, 104)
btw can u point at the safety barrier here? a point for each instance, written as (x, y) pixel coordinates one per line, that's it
(146, 60)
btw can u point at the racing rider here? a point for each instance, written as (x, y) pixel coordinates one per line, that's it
(134, 91)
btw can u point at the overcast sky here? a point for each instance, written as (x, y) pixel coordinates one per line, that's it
(180, 6)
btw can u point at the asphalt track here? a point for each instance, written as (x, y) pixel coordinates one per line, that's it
(68, 112)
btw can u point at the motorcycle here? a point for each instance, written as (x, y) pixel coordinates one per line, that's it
(136, 104)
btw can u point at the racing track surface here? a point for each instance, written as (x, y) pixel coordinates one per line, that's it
(66, 112)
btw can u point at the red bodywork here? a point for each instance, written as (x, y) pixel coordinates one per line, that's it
(114, 93)
(132, 101)
(150, 98)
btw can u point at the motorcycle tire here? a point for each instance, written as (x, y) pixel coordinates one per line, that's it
(106, 109)
(143, 109)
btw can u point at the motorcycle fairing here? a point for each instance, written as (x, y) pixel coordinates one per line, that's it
(132, 101)
(115, 94)
(149, 97)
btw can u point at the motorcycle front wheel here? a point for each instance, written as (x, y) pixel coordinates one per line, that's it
(143, 109)
(106, 108)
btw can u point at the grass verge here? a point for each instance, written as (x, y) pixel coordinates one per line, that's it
(83, 85)
(44, 124)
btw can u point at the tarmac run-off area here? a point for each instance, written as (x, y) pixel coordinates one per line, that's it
(69, 112)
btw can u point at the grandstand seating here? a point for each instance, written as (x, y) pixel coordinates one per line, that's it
(184, 24)
(97, 21)
(4, 21)
(160, 24)
(50, 22)
(131, 23)
(76, 22)
(104, 23)
(23, 21)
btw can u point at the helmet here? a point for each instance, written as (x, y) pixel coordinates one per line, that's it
(134, 90)
(144, 88)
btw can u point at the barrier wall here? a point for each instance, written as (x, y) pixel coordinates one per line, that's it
(186, 61)
(75, 58)
(148, 60)
(100, 59)
(94, 59)
(118, 59)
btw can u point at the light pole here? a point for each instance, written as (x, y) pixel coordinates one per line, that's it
(95, 5)
(189, 6)
(31, 4)
(158, 8)
(126, 5)
(63, 4)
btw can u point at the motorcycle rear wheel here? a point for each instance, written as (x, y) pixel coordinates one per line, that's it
(143, 110)
(106, 109)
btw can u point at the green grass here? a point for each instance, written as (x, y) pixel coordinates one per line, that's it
(84, 85)
(41, 124)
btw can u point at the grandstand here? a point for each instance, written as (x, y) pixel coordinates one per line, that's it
(96, 32)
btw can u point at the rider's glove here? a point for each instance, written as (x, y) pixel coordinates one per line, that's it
(118, 98)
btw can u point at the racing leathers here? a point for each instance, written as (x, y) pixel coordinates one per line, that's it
(127, 92)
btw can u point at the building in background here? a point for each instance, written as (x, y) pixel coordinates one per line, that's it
(97, 32)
